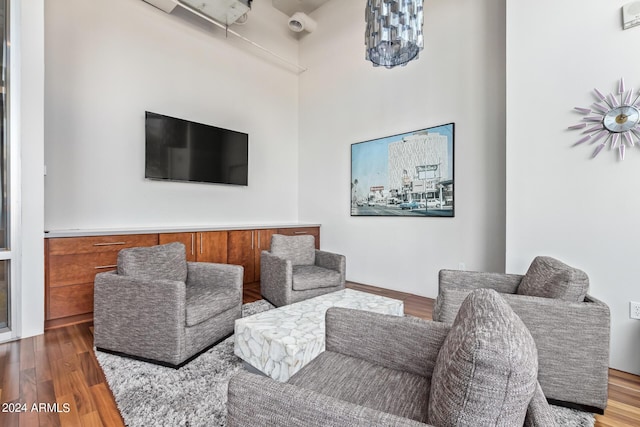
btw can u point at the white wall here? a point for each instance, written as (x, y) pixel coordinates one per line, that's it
(109, 61)
(559, 201)
(459, 78)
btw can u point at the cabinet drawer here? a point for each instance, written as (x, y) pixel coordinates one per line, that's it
(98, 244)
(70, 300)
(314, 231)
(67, 270)
(301, 231)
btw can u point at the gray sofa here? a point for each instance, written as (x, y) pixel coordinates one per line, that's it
(294, 270)
(160, 308)
(571, 329)
(381, 370)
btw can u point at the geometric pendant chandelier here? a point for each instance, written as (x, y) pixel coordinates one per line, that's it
(614, 120)
(393, 35)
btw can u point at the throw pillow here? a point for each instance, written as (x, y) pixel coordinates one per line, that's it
(486, 370)
(163, 262)
(301, 250)
(549, 278)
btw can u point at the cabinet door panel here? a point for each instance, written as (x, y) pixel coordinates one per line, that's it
(241, 247)
(263, 244)
(211, 246)
(70, 301)
(188, 239)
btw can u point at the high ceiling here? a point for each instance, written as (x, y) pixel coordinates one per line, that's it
(289, 7)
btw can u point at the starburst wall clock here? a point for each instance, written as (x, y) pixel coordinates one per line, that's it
(612, 120)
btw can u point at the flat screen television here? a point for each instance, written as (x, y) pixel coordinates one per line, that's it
(181, 150)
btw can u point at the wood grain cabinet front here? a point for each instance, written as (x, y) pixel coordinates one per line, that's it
(188, 239)
(301, 231)
(212, 246)
(71, 263)
(71, 267)
(244, 249)
(202, 246)
(263, 244)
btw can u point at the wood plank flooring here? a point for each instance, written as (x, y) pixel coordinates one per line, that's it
(59, 373)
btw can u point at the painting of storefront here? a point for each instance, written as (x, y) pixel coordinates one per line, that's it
(412, 172)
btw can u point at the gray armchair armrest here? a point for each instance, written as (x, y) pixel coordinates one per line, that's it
(444, 311)
(212, 274)
(503, 283)
(151, 312)
(331, 261)
(254, 400)
(402, 343)
(276, 275)
(572, 339)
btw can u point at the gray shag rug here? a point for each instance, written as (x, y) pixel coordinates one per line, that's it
(196, 394)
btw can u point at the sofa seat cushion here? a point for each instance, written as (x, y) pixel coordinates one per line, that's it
(363, 383)
(300, 250)
(307, 277)
(162, 262)
(549, 278)
(486, 370)
(204, 302)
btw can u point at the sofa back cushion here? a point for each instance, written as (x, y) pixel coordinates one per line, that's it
(549, 278)
(301, 250)
(163, 262)
(486, 370)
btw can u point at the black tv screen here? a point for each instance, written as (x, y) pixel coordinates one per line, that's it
(180, 150)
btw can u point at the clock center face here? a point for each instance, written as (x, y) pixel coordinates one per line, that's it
(621, 119)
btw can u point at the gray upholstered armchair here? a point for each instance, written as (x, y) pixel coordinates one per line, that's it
(160, 308)
(571, 329)
(294, 270)
(402, 371)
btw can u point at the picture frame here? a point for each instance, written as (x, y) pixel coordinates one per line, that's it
(408, 175)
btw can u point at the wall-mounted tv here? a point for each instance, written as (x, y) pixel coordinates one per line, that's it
(181, 150)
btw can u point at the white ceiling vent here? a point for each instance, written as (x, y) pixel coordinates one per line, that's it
(223, 11)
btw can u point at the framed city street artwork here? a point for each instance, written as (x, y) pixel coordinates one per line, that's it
(409, 174)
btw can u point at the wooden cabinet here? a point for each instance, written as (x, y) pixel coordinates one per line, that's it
(263, 244)
(244, 249)
(71, 263)
(241, 252)
(212, 246)
(300, 231)
(188, 239)
(71, 266)
(206, 246)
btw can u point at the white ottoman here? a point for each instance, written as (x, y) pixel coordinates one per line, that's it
(281, 341)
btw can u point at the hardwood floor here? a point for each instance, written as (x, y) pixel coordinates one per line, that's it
(60, 368)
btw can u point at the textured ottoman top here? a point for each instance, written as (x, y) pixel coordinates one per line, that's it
(281, 341)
